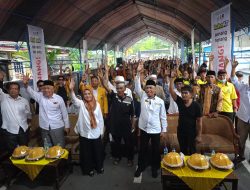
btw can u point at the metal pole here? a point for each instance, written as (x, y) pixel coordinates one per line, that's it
(232, 31)
(200, 49)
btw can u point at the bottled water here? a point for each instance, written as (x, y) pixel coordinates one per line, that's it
(45, 144)
(165, 151)
(212, 152)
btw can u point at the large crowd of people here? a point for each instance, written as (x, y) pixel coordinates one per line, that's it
(128, 103)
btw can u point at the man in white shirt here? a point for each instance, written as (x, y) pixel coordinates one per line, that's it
(15, 114)
(152, 124)
(120, 79)
(243, 113)
(53, 115)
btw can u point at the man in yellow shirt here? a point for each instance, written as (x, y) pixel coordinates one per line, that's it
(229, 96)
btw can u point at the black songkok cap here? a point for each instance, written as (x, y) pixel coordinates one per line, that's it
(239, 74)
(48, 82)
(210, 72)
(178, 80)
(150, 82)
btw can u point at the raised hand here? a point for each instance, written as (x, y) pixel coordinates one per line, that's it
(26, 79)
(140, 67)
(211, 57)
(226, 61)
(234, 63)
(173, 74)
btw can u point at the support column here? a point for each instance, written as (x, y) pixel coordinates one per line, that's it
(105, 48)
(85, 53)
(192, 44)
(182, 51)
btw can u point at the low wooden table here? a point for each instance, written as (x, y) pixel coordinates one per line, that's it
(171, 181)
(55, 172)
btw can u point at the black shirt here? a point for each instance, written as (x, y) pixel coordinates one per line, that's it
(188, 116)
(63, 93)
(121, 112)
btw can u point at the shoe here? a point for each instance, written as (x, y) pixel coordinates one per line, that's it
(101, 171)
(130, 163)
(154, 173)
(91, 173)
(137, 173)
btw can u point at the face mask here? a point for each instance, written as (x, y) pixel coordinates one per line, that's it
(222, 81)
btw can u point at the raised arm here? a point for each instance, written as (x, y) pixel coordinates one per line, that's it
(75, 100)
(226, 62)
(104, 80)
(234, 65)
(171, 85)
(35, 95)
(211, 61)
(138, 89)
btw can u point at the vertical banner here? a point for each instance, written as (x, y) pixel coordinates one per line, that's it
(192, 44)
(37, 54)
(221, 41)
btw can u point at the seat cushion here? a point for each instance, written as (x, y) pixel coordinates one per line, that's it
(215, 142)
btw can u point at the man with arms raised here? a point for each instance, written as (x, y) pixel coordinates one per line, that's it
(53, 115)
(152, 123)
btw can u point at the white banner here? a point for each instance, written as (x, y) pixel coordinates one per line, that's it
(37, 54)
(221, 38)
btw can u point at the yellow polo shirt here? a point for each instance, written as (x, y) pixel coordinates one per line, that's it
(200, 82)
(228, 94)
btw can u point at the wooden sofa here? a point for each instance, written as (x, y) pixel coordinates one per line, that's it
(72, 139)
(217, 134)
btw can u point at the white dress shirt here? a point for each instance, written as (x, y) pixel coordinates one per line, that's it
(153, 118)
(244, 90)
(83, 126)
(15, 112)
(173, 108)
(52, 111)
(128, 92)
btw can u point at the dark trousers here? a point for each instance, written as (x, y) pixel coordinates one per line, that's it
(155, 155)
(91, 154)
(129, 147)
(13, 140)
(230, 115)
(187, 143)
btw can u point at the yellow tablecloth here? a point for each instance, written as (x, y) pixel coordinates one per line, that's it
(197, 180)
(33, 168)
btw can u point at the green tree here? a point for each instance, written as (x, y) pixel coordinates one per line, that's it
(149, 43)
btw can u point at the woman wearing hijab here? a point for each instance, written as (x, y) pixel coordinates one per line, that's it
(90, 128)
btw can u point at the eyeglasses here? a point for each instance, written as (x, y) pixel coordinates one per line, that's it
(60, 79)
